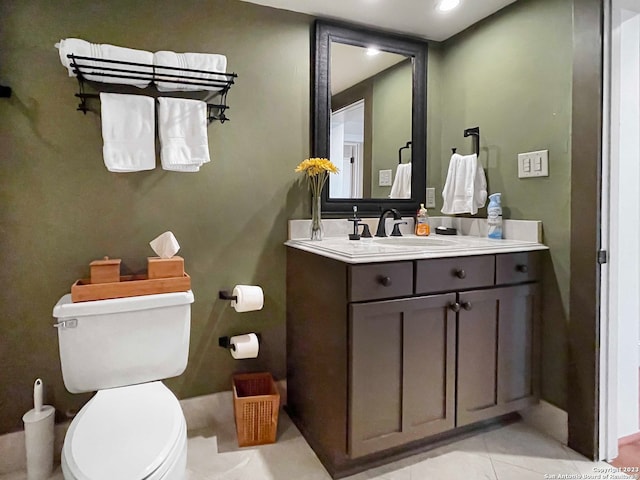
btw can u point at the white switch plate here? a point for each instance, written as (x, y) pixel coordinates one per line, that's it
(384, 178)
(533, 164)
(431, 198)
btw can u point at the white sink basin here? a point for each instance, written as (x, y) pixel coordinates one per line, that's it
(423, 242)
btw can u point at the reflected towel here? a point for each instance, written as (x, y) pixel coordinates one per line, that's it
(198, 61)
(182, 128)
(83, 48)
(402, 182)
(465, 190)
(128, 132)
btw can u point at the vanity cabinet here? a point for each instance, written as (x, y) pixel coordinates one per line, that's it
(401, 370)
(496, 350)
(385, 356)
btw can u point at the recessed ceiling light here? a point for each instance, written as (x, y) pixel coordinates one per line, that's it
(371, 51)
(446, 5)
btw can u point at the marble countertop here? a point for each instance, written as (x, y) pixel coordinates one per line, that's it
(520, 236)
(410, 247)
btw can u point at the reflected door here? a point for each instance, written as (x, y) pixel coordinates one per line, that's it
(347, 144)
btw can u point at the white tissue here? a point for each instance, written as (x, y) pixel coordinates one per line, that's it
(165, 245)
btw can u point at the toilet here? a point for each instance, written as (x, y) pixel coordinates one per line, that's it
(133, 428)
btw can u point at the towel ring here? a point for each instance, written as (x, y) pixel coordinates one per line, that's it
(475, 132)
(407, 145)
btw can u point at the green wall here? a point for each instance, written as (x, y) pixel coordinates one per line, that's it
(391, 122)
(511, 76)
(62, 209)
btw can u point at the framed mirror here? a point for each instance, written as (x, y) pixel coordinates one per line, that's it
(369, 118)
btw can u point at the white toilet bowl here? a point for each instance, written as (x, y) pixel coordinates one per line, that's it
(136, 432)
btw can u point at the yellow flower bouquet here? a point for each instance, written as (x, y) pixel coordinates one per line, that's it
(317, 172)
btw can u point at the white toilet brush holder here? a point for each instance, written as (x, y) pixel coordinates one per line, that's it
(38, 432)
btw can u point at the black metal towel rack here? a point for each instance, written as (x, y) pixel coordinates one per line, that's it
(100, 67)
(407, 145)
(475, 132)
(5, 92)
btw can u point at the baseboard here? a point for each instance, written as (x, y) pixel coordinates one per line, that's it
(199, 412)
(548, 419)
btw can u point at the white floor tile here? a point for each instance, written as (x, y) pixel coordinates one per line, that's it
(514, 452)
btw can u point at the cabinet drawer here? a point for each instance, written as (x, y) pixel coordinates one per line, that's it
(517, 267)
(450, 274)
(380, 280)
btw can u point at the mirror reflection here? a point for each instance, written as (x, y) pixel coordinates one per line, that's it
(370, 123)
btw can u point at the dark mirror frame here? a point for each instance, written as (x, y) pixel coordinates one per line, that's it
(327, 32)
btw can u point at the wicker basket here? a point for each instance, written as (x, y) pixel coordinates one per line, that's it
(256, 402)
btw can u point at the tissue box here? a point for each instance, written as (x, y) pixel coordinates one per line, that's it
(106, 270)
(165, 267)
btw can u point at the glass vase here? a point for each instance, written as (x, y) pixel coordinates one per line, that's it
(316, 232)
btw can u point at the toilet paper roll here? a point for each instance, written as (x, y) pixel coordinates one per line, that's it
(38, 432)
(250, 297)
(244, 346)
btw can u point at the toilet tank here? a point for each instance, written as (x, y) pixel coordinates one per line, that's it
(123, 341)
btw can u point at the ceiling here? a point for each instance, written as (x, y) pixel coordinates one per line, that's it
(413, 17)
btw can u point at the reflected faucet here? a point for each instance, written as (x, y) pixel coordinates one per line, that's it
(381, 231)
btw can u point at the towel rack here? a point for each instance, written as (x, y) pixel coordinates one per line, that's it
(5, 92)
(407, 145)
(475, 132)
(216, 100)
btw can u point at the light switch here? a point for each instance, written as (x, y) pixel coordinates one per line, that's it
(384, 178)
(533, 164)
(537, 164)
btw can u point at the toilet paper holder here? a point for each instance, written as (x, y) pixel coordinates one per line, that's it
(225, 342)
(225, 295)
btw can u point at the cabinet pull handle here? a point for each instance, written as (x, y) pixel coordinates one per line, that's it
(455, 307)
(385, 281)
(460, 273)
(466, 305)
(522, 268)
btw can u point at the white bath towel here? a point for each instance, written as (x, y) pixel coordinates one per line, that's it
(128, 131)
(402, 182)
(197, 61)
(182, 128)
(465, 190)
(83, 48)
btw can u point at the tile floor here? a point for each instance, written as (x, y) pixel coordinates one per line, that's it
(514, 452)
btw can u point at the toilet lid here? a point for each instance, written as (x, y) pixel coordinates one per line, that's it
(126, 432)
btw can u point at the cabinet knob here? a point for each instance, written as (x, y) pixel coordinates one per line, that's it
(455, 307)
(466, 305)
(460, 273)
(385, 281)
(522, 268)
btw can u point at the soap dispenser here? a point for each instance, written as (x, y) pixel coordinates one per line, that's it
(494, 216)
(422, 222)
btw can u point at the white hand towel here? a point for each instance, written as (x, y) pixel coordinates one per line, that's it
(83, 48)
(182, 125)
(465, 189)
(197, 61)
(402, 182)
(128, 131)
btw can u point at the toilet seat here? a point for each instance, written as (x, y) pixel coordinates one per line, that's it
(136, 432)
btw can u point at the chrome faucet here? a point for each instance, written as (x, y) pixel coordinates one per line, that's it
(381, 231)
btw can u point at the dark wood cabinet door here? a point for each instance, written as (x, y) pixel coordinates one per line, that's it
(402, 372)
(496, 352)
